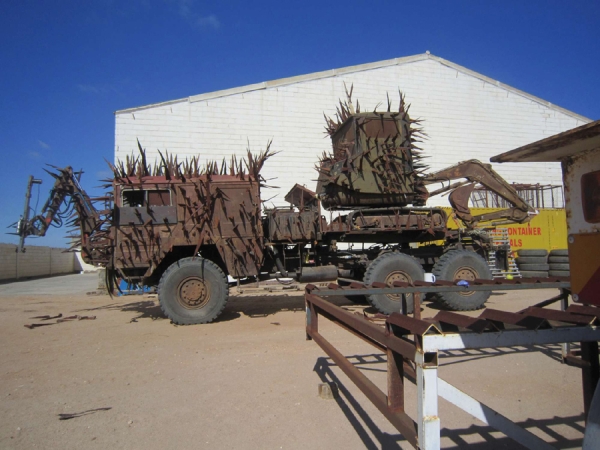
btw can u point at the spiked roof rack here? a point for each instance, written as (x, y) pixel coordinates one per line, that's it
(135, 168)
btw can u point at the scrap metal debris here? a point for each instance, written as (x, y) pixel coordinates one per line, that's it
(47, 317)
(66, 319)
(66, 416)
(31, 326)
(59, 319)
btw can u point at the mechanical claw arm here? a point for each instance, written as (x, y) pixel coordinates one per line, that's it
(66, 190)
(477, 172)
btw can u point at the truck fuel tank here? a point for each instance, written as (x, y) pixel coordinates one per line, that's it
(314, 274)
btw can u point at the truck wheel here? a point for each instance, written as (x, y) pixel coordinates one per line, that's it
(388, 268)
(193, 290)
(462, 265)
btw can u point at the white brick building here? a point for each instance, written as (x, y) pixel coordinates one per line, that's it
(466, 115)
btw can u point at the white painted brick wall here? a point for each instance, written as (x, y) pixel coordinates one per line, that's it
(8, 262)
(464, 116)
(35, 262)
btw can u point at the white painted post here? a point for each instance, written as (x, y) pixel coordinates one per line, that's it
(428, 421)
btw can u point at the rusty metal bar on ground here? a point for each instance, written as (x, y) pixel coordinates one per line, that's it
(451, 331)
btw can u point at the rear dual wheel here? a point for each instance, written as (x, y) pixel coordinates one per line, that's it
(453, 265)
(462, 265)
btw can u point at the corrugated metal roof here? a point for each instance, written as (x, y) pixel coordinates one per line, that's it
(557, 147)
(354, 69)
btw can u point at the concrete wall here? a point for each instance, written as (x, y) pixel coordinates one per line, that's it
(466, 115)
(35, 262)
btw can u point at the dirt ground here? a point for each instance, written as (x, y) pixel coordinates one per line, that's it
(130, 379)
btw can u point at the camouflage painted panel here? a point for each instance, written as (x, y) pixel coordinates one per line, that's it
(374, 162)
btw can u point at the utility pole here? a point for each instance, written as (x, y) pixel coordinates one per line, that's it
(24, 221)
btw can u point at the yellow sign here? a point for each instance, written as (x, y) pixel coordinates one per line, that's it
(547, 230)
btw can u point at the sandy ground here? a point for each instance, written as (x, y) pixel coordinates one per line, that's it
(130, 379)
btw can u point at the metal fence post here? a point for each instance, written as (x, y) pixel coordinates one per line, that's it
(311, 318)
(395, 369)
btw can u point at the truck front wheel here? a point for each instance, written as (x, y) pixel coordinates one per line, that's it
(388, 268)
(462, 265)
(193, 290)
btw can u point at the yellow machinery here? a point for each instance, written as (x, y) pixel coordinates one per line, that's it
(547, 230)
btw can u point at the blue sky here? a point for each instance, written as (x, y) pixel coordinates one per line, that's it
(68, 65)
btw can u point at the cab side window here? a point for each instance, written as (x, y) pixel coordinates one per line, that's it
(138, 199)
(159, 198)
(133, 198)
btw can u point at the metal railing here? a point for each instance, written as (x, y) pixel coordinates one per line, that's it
(412, 347)
(536, 195)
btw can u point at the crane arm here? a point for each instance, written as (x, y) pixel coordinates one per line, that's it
(65, 185)
(475, 172)
(94, 225)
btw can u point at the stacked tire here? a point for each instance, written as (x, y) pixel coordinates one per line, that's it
(559, 263)
(533, 263)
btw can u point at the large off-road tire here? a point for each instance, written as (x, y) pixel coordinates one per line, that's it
(532, 252)
(531, 267)
(388, 268)
(462, 265)
(558, 259)
(531, 260)
(534, 273)
(193, 290)
(559, 273)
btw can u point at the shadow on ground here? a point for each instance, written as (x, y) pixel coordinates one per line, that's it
(374, 438)
(253, 306)
(146, 308)
(263, 305)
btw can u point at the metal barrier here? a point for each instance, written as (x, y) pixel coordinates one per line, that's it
(412, 346)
